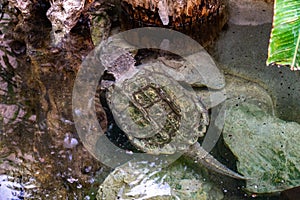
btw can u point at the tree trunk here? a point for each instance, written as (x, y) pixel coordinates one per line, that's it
(201, 19)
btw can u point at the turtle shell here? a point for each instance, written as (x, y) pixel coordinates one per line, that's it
(159, 115)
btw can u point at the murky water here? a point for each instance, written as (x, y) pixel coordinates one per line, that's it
(41, 156)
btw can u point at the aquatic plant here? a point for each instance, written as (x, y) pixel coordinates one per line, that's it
(285, 36)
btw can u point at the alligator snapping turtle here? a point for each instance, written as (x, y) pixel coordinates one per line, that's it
(158, 115)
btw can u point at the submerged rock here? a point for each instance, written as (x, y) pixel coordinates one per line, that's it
(145, 180)
(24, 6)
(267, 148)
(64, 15)
(247, 91)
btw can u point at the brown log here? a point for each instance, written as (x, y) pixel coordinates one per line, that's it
(200, 19)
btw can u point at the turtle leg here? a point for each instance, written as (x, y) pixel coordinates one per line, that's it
(197, 153)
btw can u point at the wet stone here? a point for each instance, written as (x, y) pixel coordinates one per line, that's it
(146, 180)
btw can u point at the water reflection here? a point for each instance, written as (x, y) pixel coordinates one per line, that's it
(13, 190)
(40, 153)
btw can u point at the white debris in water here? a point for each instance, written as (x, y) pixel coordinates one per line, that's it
(66, 121)
(72, 180)
(87, 198)
(70, 156)
(10, 189)
(70, 142)
(78, 112)
(150, 188)
(129, 152)
(146, 186)
(152, 164)
(163, 11)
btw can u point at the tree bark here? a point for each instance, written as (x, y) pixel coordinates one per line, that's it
(201, 19)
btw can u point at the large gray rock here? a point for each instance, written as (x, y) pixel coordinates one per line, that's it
(145, 180)
(267, 148)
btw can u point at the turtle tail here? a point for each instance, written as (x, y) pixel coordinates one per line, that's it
(199, 155)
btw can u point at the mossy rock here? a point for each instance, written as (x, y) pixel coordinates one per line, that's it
(145, 180)
(267, 148)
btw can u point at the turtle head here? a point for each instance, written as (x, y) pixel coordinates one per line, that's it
(120, 64)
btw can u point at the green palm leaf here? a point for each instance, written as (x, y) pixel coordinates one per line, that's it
(285, 36)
